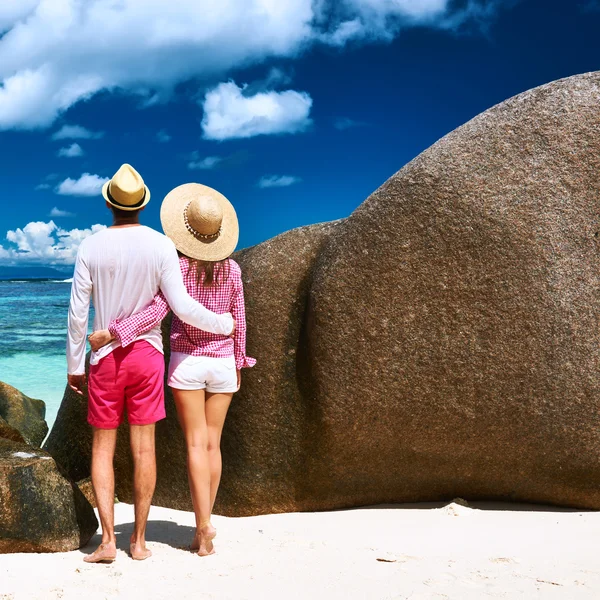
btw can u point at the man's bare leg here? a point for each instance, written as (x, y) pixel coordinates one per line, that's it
(103, 482)
(144, 482)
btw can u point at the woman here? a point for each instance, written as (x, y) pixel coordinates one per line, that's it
(205, 368)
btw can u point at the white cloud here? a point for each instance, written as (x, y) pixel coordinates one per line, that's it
(55, 53)
(57, 212)
(71, 151)
(590, 6)
(76, 132)
(271, 181)
(229, 114)
(275, 78)
(208, 163)
(68, 51)
(44, 243)
(86, 185)
(346, 31)
(342, 123)
(205, 164)
(371, 20)
(163, 137)
(375, 10)
(46, 183)
(14, 11)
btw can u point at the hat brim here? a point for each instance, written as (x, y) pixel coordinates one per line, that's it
(173, 223)
(121, 206)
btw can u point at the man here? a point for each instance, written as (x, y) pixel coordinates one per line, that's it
(123, 268)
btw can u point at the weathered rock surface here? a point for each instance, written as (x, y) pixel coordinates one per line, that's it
(454, 338)
(87, 489)
(40, 509)
(22, 413)
(451, 344)
(70, 440)
(10, 433)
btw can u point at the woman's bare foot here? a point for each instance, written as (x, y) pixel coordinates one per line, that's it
(104, 553)
(195, 545)
(203, 541)
(138, 550)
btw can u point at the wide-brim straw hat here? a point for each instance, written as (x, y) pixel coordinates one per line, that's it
(200, 221)
(126, 190)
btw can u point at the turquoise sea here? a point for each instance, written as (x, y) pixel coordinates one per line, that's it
(33, 330)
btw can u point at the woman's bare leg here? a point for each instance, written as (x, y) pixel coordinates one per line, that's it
(191, 410)
(216, 409)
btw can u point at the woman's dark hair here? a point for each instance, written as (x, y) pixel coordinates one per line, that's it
(209, 272)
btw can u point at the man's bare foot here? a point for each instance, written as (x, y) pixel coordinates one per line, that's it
(104, 553)
(138, 551)
(203, 541)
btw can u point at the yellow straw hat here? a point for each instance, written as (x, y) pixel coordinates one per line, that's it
(200, 221)
(126, 190)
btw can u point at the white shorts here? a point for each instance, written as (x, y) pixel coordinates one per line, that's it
(215, 375)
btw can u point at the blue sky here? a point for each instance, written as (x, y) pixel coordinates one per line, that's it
(295, 110)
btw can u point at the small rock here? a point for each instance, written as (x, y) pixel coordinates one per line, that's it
(23, 414)
(40, 510)
(461, 502)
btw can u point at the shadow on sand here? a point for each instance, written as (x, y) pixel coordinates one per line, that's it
(165, 532)
(180, 536)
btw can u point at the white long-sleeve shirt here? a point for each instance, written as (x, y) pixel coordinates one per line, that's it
(122, 269)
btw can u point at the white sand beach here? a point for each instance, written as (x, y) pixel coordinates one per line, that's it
(407, 551)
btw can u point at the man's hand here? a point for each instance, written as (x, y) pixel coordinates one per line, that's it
(76, 383)
(232, 334)
(239, 379)
(100, 338)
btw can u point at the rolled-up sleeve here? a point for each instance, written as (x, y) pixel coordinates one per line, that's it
(127, 330)
(238, 311)
(184, 306)
(79, 307)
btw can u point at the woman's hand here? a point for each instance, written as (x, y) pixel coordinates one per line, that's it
(239, 379)
(100, 338)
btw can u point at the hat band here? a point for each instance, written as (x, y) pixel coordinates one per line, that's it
(197, 234)
(130, 206)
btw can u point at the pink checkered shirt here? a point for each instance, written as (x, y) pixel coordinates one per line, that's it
(220, 298)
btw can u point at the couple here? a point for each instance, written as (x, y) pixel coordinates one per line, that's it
(135, 277)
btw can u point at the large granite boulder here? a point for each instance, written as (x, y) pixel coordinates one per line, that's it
(264, 441)
(40, 509)
(442, 341)
(454, 335)
(22, 413)
(70, 439)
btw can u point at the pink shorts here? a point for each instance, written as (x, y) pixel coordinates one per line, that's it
(132, 376)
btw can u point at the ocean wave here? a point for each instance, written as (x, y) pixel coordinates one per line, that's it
(35, 280)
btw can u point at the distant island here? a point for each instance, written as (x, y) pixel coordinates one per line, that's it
(33, 273)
